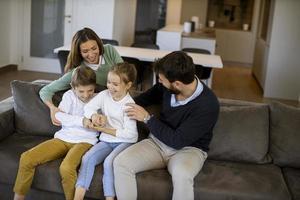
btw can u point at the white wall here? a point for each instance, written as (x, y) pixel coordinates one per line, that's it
(194, 8)
(5, 32)
(95, 14)
(283, 66)
(124, 21)
(16, 32)
(261, 52)
(173, 12)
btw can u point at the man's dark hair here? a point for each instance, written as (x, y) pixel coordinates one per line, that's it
(176, 66)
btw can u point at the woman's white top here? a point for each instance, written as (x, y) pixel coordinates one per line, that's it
(126, 129)
(95, 66)
(71, 119)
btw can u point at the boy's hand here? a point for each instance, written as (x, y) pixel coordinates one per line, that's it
(87, 123)
(99, 120)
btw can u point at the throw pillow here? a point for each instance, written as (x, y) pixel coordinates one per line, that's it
(32, 116)
(241, 134)
(285, 135)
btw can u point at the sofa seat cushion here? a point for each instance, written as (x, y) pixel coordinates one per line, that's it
(10, 151)
(220, 180)
(229, 180)
(292, 177)
(47, 177)
(285, 135)
(241, 134)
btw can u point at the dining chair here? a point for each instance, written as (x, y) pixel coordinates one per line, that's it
(110, 41)
(139, 69)
(62, 57)
(203, 73)
(145, 45)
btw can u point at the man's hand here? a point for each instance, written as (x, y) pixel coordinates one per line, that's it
(53, 111)
(136, 112)
(99, 120)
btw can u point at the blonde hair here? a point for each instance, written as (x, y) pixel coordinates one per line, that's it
(127, 72)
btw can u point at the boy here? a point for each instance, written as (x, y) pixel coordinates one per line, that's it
(70, 142)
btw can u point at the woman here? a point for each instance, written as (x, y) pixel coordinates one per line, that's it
(86, 49)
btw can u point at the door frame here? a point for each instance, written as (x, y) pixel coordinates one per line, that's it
(50, 65)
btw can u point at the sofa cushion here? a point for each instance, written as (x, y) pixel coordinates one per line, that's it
(226, 180)
(241, 134)
(285, 135)
(47, 177)
(220, 180)
(292, 177)
(6, 118)
(10, 151)
(32, 116)
(233, 102)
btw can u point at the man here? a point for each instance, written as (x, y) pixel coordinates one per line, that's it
(179, 138)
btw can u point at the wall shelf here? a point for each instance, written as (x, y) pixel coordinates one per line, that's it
(230, 14)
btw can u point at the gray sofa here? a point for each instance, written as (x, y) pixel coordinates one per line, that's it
(254, 154)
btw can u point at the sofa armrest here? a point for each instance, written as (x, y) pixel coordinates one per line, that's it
(7, 126)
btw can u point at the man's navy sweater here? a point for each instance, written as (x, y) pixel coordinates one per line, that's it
(185, 125)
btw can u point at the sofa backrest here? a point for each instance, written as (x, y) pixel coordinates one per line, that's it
(285, 135)
(6, 118)
(241, 133)
(32, 116)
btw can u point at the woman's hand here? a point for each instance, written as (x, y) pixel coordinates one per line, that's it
(99, 120)
(53, 111)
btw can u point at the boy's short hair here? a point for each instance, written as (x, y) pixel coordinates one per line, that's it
(176, 66)
(126, 71)
(83, 75)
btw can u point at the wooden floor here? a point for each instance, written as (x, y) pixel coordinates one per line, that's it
(235, 82)
(7, 76)
(232, 82)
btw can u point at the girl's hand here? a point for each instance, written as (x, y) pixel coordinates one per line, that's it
(53, 111)
(109, 131)
(87, 123)
(99, 120)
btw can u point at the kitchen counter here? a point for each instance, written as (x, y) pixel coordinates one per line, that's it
(173, 38)
(204, 33)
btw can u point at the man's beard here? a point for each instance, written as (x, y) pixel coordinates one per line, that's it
(173, 90)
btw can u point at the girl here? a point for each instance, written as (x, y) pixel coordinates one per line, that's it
(117, 131)
(70, 142)
(86, 49)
